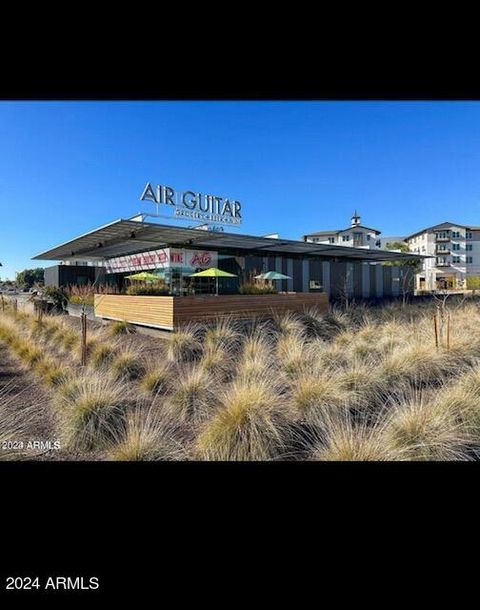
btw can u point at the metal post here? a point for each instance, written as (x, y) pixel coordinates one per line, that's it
(435, 327)
(83, 354)
(448, 330)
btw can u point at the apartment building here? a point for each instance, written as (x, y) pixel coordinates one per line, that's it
(355, 236)
(455, 255)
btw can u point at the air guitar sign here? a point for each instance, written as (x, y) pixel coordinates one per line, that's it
(161, 259)
(192, 205)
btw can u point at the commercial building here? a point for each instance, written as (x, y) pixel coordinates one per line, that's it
(354, 236)
(454, 255)
(117, 249)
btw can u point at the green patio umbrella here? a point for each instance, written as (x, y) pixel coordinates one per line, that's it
(213, 272)
(272, 275)
(144, 276)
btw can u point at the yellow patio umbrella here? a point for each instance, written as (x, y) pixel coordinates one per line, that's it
(213, 272)
(144, 276)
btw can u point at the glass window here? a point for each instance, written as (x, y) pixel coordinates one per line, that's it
(469, 259)
(331, 240)
(455, 246)
(468, 235)
(469, 247)
(345, 237)
(456, 259)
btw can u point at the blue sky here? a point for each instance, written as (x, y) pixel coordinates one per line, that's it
(68, 167)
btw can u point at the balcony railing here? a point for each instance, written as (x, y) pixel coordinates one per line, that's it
(442, 239)
(444, 264)
(444, 251)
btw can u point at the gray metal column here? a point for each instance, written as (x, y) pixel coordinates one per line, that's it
(290, 273)
(365, 280)
(395, 281)
(326, 277)
(305, 275)
(379, 278)
(349, 279)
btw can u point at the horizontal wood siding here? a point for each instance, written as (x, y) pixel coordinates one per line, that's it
(243, 305)
(172, 312)
(149, 311)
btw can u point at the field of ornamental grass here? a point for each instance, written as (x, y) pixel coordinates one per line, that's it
(356, 384)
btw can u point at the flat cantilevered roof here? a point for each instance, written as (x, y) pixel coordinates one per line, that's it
(123, 237)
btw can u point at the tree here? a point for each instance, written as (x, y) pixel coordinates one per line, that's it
(28, 277)
(409, 267)
(473, 282)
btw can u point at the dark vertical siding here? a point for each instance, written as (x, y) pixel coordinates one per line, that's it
(285, 272)
(253, 266)
(338, 274)
(387, 281)
(297, 275)
(372, 269)
(316, 271)
(75, 274)
(358, 270)
(270, 263)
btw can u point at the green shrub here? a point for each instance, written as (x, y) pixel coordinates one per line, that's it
(156, 379)
(57, 295)
(154, 290)
(121, 328)
(127, 366)
(78, 300)
(251, 288)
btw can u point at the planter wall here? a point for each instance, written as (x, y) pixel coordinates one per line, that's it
(172, 312)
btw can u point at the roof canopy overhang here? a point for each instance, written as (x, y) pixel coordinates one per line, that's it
(123, 237)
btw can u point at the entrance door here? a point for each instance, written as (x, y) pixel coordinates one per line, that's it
(445, 283)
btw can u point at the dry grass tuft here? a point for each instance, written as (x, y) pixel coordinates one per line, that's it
(91, 412)
(424, 431)
(157, 379)
(192, 399)
(289, 323)
(292, 354)
(51, 372)
(310, 392)
(223, 334)
(183, 345)
(102, 354)
(127, 365)
(120, 327)
(340, 439)
(248, 425)
(146, 437)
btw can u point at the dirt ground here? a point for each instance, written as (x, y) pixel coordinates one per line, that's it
(21, 393)
(150, 341)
